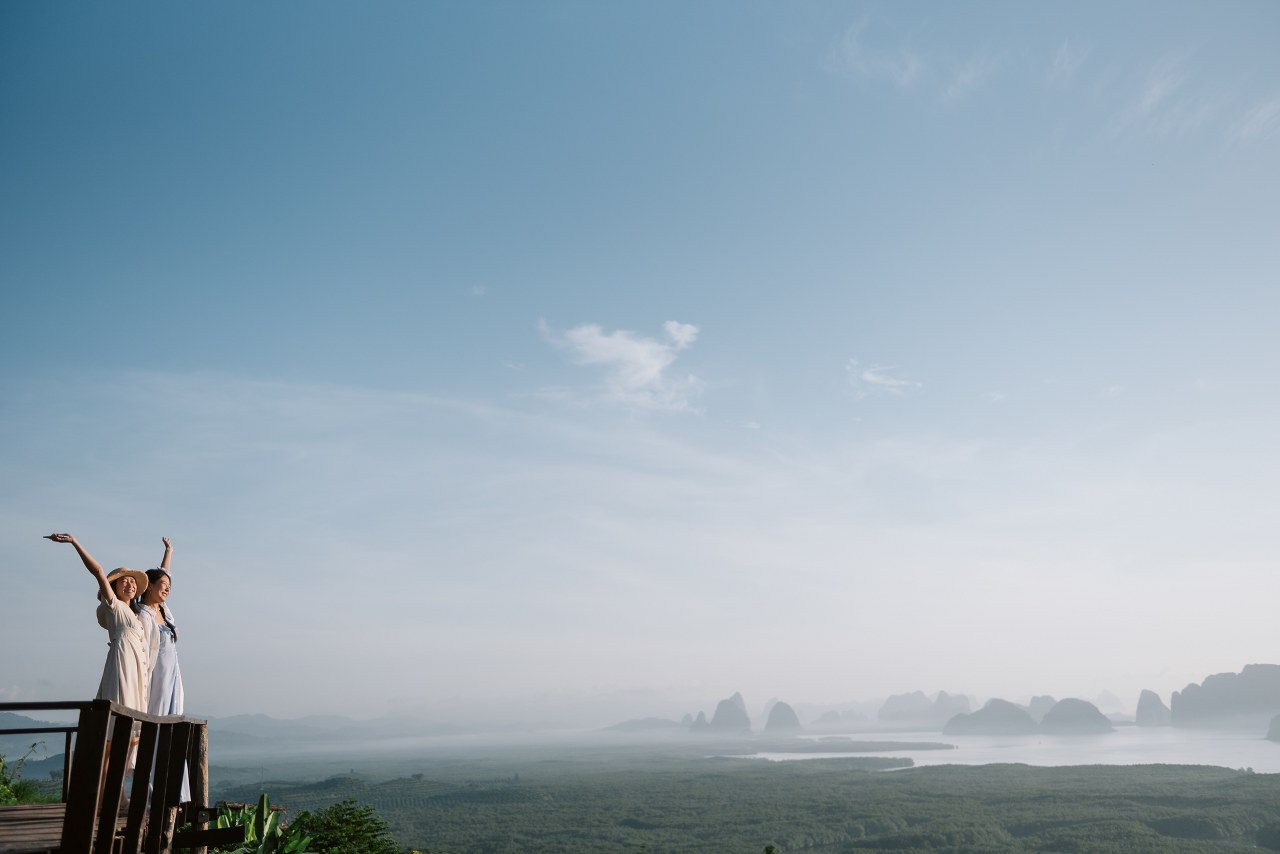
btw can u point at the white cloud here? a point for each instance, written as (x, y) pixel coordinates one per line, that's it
(1161, 84)
(683, 334)
(900, 66)
(873, 379)
(636, 366)
(1167, 104)
(971, 76)
(1066, 62)
(1259, 123)
(874, 57)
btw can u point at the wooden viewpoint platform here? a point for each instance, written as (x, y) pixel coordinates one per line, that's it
(96, 817)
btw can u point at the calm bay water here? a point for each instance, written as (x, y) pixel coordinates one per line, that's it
(1128, 745)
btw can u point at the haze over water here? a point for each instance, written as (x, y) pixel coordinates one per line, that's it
(1128, 745)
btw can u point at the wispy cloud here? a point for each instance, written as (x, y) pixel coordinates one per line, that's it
(1160, 85)
(868, 55)
(878, 379)
(1166, 104)
(1261, 122)
(636, 367)
(970, 77)
(1066, 62)
(900, 66)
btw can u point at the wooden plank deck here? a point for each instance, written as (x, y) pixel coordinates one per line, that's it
(36, 828)
(31, 828)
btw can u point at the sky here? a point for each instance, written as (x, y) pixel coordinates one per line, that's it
(627, 355)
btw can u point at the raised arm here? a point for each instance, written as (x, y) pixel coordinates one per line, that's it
(95, 568)
(168, 551)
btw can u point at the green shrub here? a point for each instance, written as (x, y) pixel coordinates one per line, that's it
(347, 828)
(1268, 836)
(13, 789)
(263, 831)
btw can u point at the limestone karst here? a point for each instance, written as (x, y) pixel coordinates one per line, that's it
(1074, 717)
(1151, 710)
(997, 717)
(1249, 698)
(782, 718)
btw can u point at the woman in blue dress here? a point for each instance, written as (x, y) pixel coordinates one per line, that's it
(166, 695)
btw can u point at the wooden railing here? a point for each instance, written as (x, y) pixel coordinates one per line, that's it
(67, 731)
(110, 742)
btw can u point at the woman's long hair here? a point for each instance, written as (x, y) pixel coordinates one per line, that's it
(153, 576)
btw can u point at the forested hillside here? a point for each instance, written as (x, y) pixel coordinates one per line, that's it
(735, 805)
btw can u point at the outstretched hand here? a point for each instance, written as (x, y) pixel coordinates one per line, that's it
(167, 544)
(90, 564)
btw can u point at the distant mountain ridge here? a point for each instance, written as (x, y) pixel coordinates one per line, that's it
(997, 717)
(14, 746)
(1248, 698)
(918, 711)
(1000, 717)
(650, 724)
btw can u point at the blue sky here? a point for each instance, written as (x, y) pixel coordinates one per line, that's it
(643, 350)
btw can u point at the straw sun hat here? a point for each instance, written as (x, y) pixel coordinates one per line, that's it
(139, 577)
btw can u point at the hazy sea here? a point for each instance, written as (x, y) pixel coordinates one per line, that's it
(1128, 745)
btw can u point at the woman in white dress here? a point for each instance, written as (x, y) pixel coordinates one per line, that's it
(166, 695)
(131, 644)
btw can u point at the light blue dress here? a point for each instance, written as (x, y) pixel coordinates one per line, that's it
(166, 697)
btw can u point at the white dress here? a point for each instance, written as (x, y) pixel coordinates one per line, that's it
(131, 649)
(166, 694)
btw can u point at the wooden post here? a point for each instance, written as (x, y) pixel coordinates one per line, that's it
(168, 829)
(148, 736)
(86, 777)
(151, 841)
(198, 767)
(168, 783)
(113, 783)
